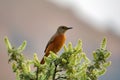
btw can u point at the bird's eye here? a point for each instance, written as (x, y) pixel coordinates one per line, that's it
(63, 27)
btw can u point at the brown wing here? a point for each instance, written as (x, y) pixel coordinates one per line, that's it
(49, 42)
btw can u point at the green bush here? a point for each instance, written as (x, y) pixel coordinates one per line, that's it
(72, 64)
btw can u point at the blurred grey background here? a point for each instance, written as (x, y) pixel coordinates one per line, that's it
(37, 20)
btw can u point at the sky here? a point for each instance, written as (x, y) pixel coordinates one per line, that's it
(102, 12)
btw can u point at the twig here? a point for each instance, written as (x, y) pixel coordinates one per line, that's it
(37, 73)
(54, 74)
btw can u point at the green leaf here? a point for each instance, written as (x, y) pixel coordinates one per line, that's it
(85, 58)
(103, 44)
(101, 72)
(8, 44)
(95, 55)
(14, 67)
(25, 69)
(107, 55)
(36, 61)
(53, 55)
(22, 47)
(64, 60)
(79, 45)
(107, 64)
(65, 48)
(70, 48)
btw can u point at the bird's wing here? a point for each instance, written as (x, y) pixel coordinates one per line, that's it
(49, 42)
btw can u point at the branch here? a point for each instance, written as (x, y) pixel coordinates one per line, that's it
(54, 73)
(72, 64)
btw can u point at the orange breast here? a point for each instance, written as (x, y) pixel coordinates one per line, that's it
(59, 42)
(56, 44)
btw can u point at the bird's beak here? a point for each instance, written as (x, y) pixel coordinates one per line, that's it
(69, 28)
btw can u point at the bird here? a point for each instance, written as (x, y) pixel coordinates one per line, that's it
(56, 42)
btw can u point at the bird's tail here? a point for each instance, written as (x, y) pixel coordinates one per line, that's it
(42, 61)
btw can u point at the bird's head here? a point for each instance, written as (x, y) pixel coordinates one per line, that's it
(63, 29)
